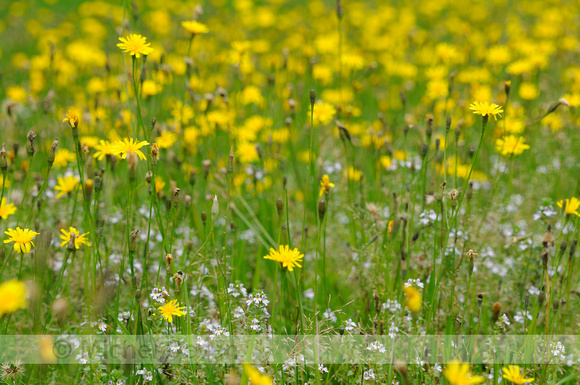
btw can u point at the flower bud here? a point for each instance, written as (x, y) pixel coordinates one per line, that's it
(312, 96)
(52, 153)
(279, 206)
(321, 209)
(3, 162)
(133, 240)
(215, 209)
(30, 143)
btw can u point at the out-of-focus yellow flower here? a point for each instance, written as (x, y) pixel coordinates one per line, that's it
(323, 112)
(247, 153)
(135, 44)
(458, 374)
(414, 299)
(255, 377)
(150, 88)
(511, 145)
(6, 209)
(104, 148)
(13, 294)
(194, 27)
(16, 93)
(22, 239)
(62, 158)
(166, 139)
(528, 91)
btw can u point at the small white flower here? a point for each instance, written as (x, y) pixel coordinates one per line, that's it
(255, 325)
(369, 375)
(174, 347)
(329, 314)
(239, 313)
(437, 368)
(350, 326)
(102, 325)
(393, 330)
(505, 319)
(322, 369)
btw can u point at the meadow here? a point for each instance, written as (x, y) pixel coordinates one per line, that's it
(302, 192)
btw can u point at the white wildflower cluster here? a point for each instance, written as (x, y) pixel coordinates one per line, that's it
(369, 375)
(545, 212)
(522, 315)
(329, 315)
(392, 305)
(236, 290)
(176, 347)
(393, 330)
(414, 282)
(159, 295)
(257, 299)
(376, 347)
(147, 375)
(428, 217)
(558, 350)
(125, 316)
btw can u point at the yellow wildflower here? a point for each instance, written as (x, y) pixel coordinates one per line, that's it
(288, 258)
(66, 185)
(79, 239)
(13, 294)
(171, 309)
(6, 209)
(136, 45)
(22, 239)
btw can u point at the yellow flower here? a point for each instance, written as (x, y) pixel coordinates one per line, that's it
(325, 185)
(247, 152)
(511, 145)
(129, 145)
(413, 298)
(512, 373)
(166, 139)
(353, 174)
(13, 294)
(172, 309)
(79, 239)
(486, 109)
(528, 91)
(135, 44)
(572, 205)
(458, 374)
(66, 185)
(288, 258)
(16, 93)
(159, 184)
(104, 148)
(150, 88)
(72, 118)
(255, 377)
(6, 209)
(63, 157)
(323, 112)
(22, 239)
(386, 161)
(194, 27)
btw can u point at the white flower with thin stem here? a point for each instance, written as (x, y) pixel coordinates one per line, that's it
(350, 325)
(369, 375)
(322, 368)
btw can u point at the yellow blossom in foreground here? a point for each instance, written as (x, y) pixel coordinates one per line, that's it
(413, 298)
(122, 147)
(62, 158)
(6, 209)
(288, 258)
(511, 145)
(79, 239)
(135, 44)
(255, 377)
(325, 185)
(486, 109)
(66, 185)
(171, 309)
(72, 118)
(22, 239)
(458, 374)
(13, 294)
(194, 27)
(572, 205)
(512, 373)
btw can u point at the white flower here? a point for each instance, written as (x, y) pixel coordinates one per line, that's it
(322, 369)
(393, 330)
(159, 295)
(505, 319)
(239, 313)
(392, 305)
(350, 325)
(533, 290)
(102, 325)
(255, 325)
(174, 347)
(369, 375)
(377, 346)
(437, 368)
(521, 316)
(329, 314)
